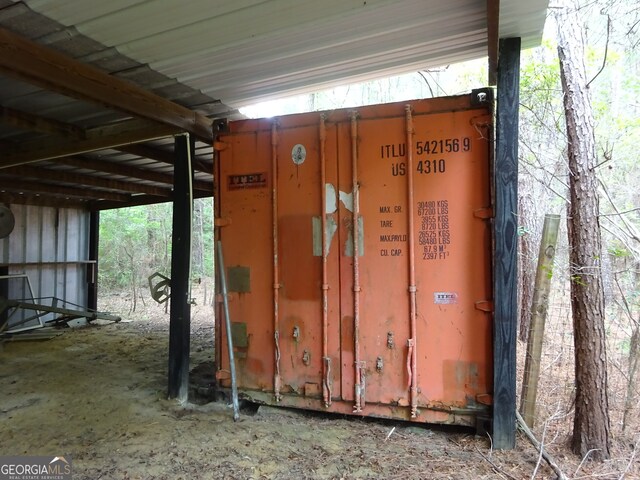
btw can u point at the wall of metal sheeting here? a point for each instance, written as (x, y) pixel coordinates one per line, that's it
(50, 246)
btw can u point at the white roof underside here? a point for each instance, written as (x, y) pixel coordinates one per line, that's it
(243, 51)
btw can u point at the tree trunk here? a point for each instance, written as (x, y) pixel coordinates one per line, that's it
(526, 258)
(591, 428)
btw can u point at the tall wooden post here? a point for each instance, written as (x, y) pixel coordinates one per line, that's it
(180, 313)
(505, 264)
(92, 268)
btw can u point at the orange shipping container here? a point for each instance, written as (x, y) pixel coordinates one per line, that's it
(358, 253)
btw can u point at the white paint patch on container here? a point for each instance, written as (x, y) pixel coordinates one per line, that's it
(347, 200)
(331, 198)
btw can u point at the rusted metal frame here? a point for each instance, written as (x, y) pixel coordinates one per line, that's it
(326, 360)
(359, 380)
(54, 71)
(412, 355)
(276, 272)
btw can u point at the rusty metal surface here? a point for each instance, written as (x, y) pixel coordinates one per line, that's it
(368, 322)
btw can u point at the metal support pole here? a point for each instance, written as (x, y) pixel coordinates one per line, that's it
(227, 322)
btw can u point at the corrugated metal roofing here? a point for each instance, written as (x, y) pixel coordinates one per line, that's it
(211, 56)
(249, 50)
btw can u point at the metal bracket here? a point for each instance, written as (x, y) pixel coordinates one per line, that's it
(484, 306)
(483, 213)
(481, 97)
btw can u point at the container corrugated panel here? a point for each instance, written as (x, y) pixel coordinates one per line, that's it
(390, 313)
(50, 246)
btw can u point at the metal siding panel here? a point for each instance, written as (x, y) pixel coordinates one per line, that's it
(45, 234)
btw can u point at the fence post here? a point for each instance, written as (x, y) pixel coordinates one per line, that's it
(539, 307)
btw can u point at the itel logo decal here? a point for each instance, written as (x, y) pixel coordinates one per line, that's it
(247, 180)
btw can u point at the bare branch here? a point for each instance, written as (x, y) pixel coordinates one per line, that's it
(606, 50)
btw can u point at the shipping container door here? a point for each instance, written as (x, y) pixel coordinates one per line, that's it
(299, 193)
(451, 257)
(374, 351)
(452, 210)
(244, 201)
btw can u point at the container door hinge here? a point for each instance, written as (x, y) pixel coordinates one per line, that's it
(484, 306)
(483, 213)
(222, 222)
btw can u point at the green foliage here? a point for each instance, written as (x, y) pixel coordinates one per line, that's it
(136, 241)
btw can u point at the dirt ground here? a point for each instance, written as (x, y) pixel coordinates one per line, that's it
(98, 394)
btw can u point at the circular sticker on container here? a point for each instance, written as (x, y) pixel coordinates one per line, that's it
(298, 154)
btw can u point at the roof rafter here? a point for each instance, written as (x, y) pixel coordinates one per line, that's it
(128, 171)
(28, 121)
(88, 180)
(25, 186)
(99, 138)
(54, 71)
(164, 156)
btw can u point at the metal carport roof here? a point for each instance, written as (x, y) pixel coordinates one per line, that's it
(62, 144)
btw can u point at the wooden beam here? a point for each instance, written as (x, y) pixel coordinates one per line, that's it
(137, 200)
(100, 138)
(17, 185)
(28, 121)
(87, 180)
(128, 171)
(505, 234)
(493, 31)
(41, 200)
(49, 69)
(164, 156)
(180, 313)
(36, 123)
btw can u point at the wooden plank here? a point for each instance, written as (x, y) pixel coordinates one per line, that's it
(49, 69)
(100, 138)
(29, 187)
(87, 180)
(11, 198)
(493, 23)
(164, 156)
(180, 313)
(36, 123)
(127, 171)
(142, 200)
(505, 265)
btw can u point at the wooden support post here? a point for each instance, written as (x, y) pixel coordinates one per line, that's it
(180, 314)
(92, 267)
(539, 307)
(505, 264)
